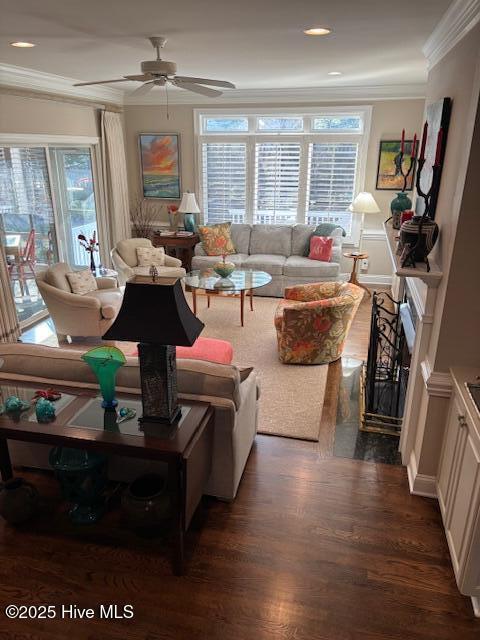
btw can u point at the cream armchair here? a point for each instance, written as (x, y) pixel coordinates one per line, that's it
(78, 315)
(124, 258)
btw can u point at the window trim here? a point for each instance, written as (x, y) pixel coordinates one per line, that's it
(305, 137)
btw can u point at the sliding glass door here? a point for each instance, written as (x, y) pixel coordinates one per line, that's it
(27, 223)
(47, 199)
(75, 200)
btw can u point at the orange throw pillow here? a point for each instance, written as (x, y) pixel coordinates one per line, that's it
(216, 239)
(320, 248)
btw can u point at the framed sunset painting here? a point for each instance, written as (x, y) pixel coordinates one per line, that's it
(160, 165)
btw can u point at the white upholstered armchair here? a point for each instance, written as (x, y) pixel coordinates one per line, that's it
(73, 314)
(125, 261)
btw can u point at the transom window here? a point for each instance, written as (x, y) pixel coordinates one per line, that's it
(282, 167)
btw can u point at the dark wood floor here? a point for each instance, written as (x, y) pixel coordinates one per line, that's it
(313, 548)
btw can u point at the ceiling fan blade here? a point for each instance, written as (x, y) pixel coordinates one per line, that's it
(85, 84)
(143, 89)
(213, 83)
(143, 77)
(197, 88)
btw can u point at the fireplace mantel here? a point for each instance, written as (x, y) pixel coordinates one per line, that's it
(431, 278)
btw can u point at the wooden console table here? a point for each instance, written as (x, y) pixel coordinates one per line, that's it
(181, 247)
(81, 423)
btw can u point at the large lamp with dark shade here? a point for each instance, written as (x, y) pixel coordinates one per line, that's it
(155, 314)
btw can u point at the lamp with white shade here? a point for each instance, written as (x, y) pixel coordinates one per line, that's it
(364, 203)
(189, 207)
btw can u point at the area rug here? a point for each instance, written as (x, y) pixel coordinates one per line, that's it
(292, 396)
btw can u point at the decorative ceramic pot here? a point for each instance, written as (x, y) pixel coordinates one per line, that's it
(83, 478)
(146, 503)
(224, 269)
(44, 410)
(398, 205)
(189, 222)
(417, 238)
(19, 500)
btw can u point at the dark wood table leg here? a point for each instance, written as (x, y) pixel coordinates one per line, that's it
(5, 464)
(179, 518)
(208, 301)
(354, 278)
(194, 299)
(251, 299)
(242, 305)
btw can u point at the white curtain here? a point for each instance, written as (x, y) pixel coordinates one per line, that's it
(9, 325)
(116, 225)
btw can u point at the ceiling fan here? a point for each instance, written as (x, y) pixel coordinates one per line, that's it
(157, 73)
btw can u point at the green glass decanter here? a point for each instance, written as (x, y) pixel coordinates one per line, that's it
(104, 362)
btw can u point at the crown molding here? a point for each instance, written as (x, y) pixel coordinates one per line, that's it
(459, 19)
(294, 95)
(32, 80)
(39, 81)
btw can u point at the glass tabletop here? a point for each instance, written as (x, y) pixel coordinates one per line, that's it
(239, 280)
(78, 411)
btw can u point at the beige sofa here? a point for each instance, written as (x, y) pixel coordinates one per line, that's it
(90, 314)
(281, 251)
(233, 394)
(124, 259)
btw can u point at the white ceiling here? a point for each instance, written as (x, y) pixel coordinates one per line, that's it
(257, 44)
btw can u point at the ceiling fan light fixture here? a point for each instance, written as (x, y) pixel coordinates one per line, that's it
(334, 73)
(22, 45)
(317, 31)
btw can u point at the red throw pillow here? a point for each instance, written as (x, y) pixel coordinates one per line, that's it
(320, 248)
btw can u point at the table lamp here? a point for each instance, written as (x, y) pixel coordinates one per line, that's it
(189, 207)
(364, 203)
(155, 314)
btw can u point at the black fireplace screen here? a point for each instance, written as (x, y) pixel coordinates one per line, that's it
(385, 374)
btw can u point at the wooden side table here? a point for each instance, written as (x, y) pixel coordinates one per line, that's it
(353, 276)
(180, 246)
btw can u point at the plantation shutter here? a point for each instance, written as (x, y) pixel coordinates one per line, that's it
(331, 182)
(224, 181)
(277, 173)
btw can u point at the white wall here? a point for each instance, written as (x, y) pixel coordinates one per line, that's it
(388, 119)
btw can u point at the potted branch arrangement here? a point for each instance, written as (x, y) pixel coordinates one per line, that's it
(142, 216)
(419, 234)
(91, 246)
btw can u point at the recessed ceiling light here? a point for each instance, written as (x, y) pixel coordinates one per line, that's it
(334, 73)
(317, 31)
(22, 45)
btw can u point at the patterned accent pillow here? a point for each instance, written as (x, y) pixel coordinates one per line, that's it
(320, 248)
(82, 282)
(216, 239)
(148, 256)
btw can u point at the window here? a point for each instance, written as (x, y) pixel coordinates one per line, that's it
(277, 172)
(332, 168)
(282, 167)
(38, 228)
(224, 181)
(220, 125)
(337, 123)
(279, 124)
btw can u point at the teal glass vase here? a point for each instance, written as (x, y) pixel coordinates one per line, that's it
(398, 205)
(105, 362)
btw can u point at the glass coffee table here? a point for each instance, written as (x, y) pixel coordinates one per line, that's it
(239, 283)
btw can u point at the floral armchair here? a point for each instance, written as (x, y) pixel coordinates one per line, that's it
(313, 321)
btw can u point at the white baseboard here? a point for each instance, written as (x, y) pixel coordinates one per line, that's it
(364, 278)
(420, 484)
